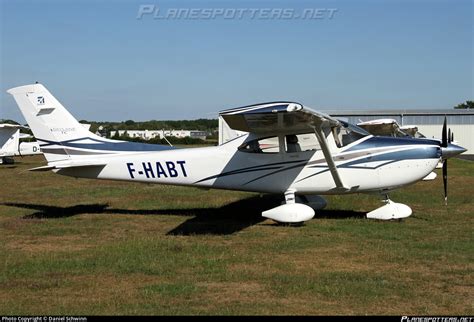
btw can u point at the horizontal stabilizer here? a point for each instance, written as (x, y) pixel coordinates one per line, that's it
(68, 166)
(43, 168)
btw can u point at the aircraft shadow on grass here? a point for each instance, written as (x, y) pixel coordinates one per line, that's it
(224, 220)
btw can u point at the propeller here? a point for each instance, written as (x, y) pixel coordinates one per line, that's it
(446, 139)
(445, 181)
(444, 135)
(448, 150)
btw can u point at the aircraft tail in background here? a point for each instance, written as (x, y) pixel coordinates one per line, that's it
(9, 139)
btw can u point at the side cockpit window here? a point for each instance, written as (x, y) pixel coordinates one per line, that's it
(263, 145)
(291, 143)
(347, 134)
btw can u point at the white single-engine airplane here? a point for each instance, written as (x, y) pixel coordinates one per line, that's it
(289, 149)
(390, 127)
(11, 146)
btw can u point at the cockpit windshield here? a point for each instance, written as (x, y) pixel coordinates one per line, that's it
(348, 133)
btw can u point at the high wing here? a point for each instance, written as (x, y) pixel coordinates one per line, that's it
(275, 118)
(285, 117)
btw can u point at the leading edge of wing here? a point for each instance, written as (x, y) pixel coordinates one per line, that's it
(277, 106)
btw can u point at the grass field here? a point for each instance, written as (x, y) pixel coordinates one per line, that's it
(86, 247)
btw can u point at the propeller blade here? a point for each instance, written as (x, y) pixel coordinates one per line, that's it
(444, 135)
(449, 136)
(445, 181)
(452, 136)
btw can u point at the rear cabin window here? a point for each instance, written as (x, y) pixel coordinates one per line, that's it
(263, 145)
(301, 142)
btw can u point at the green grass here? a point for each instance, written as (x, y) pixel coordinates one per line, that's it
(84, 247)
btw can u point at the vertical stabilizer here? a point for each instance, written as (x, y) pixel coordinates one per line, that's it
(50, 122)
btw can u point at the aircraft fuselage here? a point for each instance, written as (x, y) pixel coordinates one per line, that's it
(370, 164)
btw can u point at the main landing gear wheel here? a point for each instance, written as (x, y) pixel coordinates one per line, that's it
(290, 212)
(7, 160)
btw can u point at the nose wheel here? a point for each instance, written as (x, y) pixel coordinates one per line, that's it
(390, 211)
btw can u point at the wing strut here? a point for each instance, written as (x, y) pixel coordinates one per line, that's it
(328, 156)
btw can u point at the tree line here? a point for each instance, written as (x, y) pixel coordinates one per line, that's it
(207, 125)
(210, 126)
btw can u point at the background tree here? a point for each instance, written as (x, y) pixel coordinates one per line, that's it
(466, 105)
(8, 122)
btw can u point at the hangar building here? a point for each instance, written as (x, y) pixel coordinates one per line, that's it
(429, 122)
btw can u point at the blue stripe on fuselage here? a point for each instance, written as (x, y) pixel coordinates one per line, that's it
(385, 141)
(427, 152)
(120, 146)
(109, 146)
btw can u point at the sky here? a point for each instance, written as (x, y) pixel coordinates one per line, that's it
(105, 64)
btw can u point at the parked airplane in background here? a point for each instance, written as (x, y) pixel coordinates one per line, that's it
(390, 127)
(11, 146)
(289, 149)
